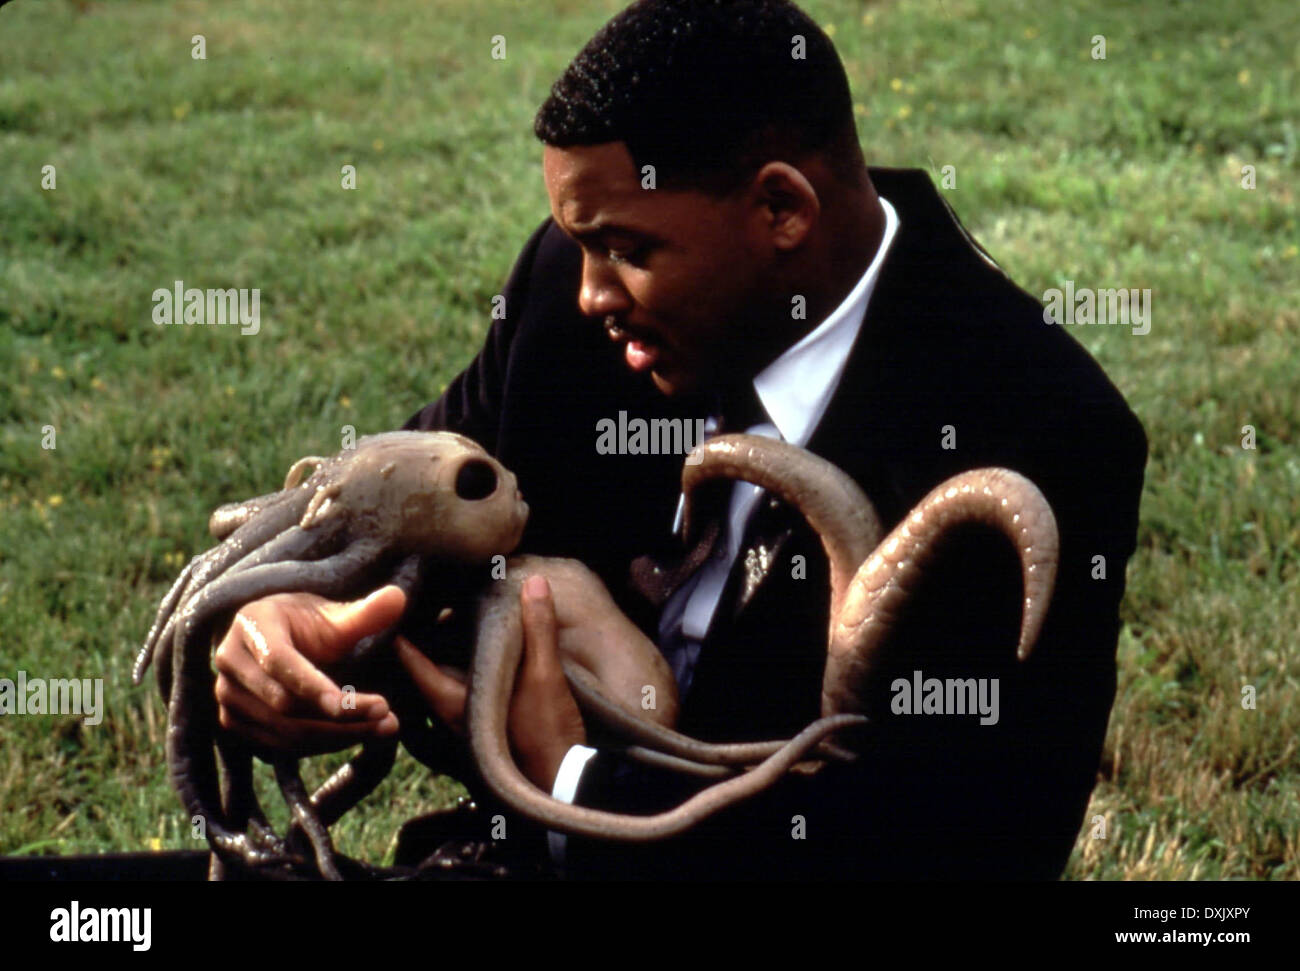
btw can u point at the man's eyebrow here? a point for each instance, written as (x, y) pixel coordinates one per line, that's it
(600, 229)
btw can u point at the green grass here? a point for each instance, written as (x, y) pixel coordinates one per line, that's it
(226, 172)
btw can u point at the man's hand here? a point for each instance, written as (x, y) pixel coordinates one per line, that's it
(544, 720)
(269, 687)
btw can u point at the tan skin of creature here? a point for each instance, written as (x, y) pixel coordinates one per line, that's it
(703, 284)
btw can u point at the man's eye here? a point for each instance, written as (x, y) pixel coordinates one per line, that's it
(625, 255)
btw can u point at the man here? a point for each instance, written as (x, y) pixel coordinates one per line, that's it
(713, 215)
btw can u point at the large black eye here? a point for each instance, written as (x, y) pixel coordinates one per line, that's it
(476, 480)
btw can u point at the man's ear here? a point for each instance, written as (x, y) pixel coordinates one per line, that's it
(790, 204)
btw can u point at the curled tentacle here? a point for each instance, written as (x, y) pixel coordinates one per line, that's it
(305, 817)
(836, 508)
(496, 663)
(595, 701)
(165, 612)
(662, 760)
(191, 762)
(190, 712)
(228, 518)
(277, 515)
(293, 544)
(999, 498)
(294, 476)
(239, 804)
(353, 781)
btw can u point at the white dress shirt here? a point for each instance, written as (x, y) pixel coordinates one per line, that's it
(794, 391)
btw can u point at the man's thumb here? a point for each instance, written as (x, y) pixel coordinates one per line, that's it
(541, 655)
(361, 618)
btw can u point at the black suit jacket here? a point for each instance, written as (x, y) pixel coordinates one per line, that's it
(948, 340)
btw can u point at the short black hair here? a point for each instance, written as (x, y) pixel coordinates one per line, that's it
(707, 91)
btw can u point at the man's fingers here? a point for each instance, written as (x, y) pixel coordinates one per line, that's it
(236, 665)
(266, 637)
(270, 648)
(445, 694)
(544, 719)
(247, 715)
(541, 654)
(270, 644)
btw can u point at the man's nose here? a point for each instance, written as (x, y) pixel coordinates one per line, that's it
(601, 293)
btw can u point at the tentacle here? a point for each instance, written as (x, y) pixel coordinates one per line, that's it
(238, 795)
(332, 576)
(999, 498)
(165, 610)
(191, 714)
(292, 544)
(354, 781)
(595, 701)
(277, 516)
(227, 518)
(304, 816)
(239, 801)
(321, 505)
(672, 763)
(190, 717)
(496, 663)
(836, 508)
(294, 476)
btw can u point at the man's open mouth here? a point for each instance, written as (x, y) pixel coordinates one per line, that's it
(640, 356)
(640, 352)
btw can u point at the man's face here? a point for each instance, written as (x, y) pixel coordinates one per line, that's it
(680, 274)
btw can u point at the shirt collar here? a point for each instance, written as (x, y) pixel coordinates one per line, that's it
(796, 388)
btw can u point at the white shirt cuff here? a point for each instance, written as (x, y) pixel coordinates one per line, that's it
(565, 790)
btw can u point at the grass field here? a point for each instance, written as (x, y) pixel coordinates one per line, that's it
(225, 172)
